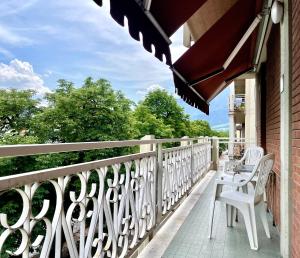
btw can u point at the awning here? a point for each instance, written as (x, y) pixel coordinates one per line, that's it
(225, 40)
(206, 68)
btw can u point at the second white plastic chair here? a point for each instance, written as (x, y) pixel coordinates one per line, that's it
(245, 202)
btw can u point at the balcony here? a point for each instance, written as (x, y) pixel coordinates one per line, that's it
(114, 207)
(185, 234)
(239, 102)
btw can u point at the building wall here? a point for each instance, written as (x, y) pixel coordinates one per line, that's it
(250, 111)
(296, 127)
(270, 103)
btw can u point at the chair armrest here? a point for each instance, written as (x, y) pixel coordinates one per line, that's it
(221, 181)
(230, 164)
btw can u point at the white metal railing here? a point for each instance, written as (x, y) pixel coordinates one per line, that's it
(101, 208)
(237, 145)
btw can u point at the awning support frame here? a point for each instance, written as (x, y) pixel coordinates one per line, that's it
(242, 41)
(228, 61)
(265, 31)
(187, 84)
(206, 77)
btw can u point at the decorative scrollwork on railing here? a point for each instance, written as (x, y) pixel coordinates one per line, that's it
(100, 212)
(182, 167)
(95, 209)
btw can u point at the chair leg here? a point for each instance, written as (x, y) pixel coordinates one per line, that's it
(253, 222)
(235, 215)
(211, 221)
(265, 196)
(245, 210)
(245, 189)
(229, 215)
(263, 217)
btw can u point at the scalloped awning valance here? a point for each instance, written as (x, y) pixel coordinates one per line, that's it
(224, 47)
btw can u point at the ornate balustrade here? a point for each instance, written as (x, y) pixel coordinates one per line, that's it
(101, 208)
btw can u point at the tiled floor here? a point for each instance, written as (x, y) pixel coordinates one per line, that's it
(191, 240)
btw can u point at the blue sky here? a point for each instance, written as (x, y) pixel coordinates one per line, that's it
(43, 41)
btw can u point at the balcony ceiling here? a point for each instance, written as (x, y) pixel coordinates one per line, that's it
(218, 55)
(206, 16)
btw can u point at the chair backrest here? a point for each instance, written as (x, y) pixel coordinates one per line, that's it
(253, 155)
(265, 166)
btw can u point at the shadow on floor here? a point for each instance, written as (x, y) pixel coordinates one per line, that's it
(191, 240)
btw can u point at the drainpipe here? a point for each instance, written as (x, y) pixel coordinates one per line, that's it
(285, 132)
(232, 128)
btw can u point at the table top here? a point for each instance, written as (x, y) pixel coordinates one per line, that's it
(246, 168)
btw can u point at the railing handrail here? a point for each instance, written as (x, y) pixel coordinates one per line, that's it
(167, 150)
(12, 181)
(47, 148)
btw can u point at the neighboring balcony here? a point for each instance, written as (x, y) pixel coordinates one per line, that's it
(237, 103)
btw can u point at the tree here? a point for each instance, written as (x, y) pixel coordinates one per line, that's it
(93, 112)
(165, 107)
(220, 133)
(200, 128)
(16, 109)
(146, 123)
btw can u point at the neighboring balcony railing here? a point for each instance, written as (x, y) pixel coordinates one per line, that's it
(239, 102)
(101, 208)
(235, 147)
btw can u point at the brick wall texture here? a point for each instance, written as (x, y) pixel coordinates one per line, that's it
(296, 127)
(270, 136)
(271, 109)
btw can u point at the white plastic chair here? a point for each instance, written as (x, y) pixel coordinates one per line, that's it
(232, 168)
(245, 202)
(251, 157)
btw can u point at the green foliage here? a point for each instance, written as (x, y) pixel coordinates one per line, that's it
(200, 128)
(164, 106)
(16, 109)
(147, 123)
(94, 112)
(221, 133)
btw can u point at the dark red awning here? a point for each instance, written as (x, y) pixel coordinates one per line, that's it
(199, 74)
(202, 65)
(171, 14)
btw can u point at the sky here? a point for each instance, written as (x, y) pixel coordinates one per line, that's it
(43, 41)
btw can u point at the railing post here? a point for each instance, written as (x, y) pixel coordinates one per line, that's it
(200, 139)
(158, 182)
(186, 143)
(147, 147)
(215, 153)
(192, 161)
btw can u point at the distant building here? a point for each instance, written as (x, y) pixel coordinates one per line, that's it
(243, 115)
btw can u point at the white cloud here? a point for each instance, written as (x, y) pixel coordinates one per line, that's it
(152, 87)
(7, 54)
(94, 21)
(10, 37)
(224, 126)
(9, 7)
(20, 75)
(149, 89)
(48, 73)
(133, 65)
(177, 48)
